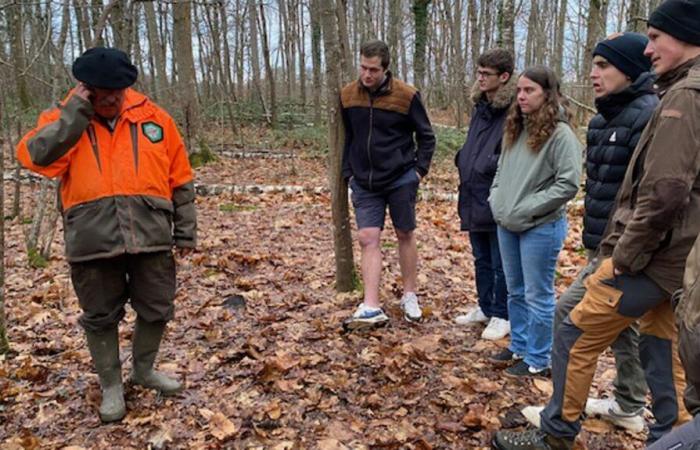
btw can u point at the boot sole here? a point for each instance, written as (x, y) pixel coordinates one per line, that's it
(107, 418)
(363, 326)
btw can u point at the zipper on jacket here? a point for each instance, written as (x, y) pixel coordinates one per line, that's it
(369, 139)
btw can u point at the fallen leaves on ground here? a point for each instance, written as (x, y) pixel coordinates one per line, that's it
(257, 340)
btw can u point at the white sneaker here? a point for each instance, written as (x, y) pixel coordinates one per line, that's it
(476, 315)
(532, 414)
(496, 329)
(411, 309)
(608, 409)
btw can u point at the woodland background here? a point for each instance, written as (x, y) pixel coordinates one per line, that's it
(254, 86)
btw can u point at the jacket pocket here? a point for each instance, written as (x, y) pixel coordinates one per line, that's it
(152, 221)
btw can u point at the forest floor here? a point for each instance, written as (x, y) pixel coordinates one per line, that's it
(258, 342)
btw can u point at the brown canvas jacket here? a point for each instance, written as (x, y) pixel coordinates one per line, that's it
(657, 215)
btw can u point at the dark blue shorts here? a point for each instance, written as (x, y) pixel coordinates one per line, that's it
(400, 196)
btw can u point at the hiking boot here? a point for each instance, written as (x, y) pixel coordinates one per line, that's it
(505, 356)
(365, 318)
(475, 315)
(496, 329)
(104, 349)
(532, 414)
(530, 440)
(608, 409)
(146, 342)
(523, 369)
(411, 309)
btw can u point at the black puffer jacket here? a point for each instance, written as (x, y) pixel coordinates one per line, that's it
(612, 136)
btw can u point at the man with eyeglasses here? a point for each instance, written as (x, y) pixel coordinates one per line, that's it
(492, 94)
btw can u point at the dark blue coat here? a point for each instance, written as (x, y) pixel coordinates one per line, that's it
(612, 136)
(478, 159)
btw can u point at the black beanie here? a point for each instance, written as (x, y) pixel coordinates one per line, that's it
(106, 68)
(625, 51)
(679, 18)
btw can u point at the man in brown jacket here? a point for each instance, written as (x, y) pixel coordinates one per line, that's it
(654, 224)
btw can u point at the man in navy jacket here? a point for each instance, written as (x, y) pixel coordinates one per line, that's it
(492, 94)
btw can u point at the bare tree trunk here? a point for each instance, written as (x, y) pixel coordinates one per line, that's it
(314, 13)
(420, 17)
(636, 20)
(187, 79)
(393, 35)
(595, 31)
(18, 57)
(507, 36)
(157, 51)
(17, 195)
(4, 343)
(475, 39)
(255, 54)
(269, 74)
(344, 264)
(559, 42)
(346, 56)
(301, 42)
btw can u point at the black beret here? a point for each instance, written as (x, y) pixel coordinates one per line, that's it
(106, 68)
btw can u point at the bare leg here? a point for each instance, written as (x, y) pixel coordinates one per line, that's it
(408, 259)
(371, 263)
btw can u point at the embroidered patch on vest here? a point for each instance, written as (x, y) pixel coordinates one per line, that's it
(152, 131)
(673, 113)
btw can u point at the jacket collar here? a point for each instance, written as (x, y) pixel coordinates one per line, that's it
(611, 105)
(503, 98)
(667, 80)
(383, 89)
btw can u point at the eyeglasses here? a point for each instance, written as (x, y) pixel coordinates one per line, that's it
(485, 74)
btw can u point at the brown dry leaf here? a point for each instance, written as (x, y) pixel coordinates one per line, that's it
(161, 438)
(451, 427)
(597, 426)
(544, 386)
(339, 430)
(330, 444)
(486, 386)
(219, 425)
(283, 445)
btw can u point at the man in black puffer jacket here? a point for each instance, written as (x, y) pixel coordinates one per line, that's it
(625, 101)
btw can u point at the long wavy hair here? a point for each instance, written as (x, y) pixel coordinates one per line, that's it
(541, 123)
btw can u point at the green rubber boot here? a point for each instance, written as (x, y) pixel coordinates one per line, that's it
(104, 349)
(147, 336)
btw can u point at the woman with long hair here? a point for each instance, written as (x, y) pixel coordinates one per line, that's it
(539, 170)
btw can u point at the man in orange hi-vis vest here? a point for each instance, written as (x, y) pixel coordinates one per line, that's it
(127, 197)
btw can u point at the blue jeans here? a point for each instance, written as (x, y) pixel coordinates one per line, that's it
(529, 259)
(490, 281)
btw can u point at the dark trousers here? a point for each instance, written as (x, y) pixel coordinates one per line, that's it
(611, 304)
(490, 281)
(689, 347)
(104, 286)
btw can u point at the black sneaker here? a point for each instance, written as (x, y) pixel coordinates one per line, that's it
(505, 356)
(530, 440)
(523, 369)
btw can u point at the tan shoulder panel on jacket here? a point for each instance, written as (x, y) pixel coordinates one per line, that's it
(399, 99)
(352, 96)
